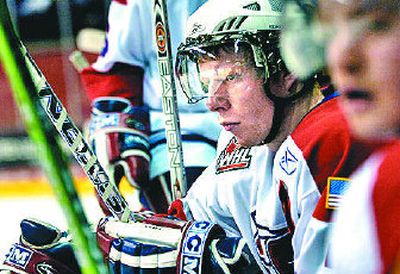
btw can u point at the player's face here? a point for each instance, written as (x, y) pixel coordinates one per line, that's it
(364, 62)
(236, 94)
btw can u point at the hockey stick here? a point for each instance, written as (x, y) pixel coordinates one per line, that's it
(75, 141)
(170, 106)
(42, 134)
(77, 144)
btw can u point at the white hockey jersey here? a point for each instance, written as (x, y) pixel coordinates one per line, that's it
(235, 191)
(311, 170)
(131, 41)
(366, 235)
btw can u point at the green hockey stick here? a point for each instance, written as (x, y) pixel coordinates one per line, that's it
(170, 106)
(51, 156)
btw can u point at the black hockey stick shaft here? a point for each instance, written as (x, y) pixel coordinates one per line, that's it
(169, 102)
(51, 155)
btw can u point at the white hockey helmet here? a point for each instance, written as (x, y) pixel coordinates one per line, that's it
(251, 24)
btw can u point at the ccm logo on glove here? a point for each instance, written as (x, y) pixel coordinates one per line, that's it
(193, 247)
(19, 256)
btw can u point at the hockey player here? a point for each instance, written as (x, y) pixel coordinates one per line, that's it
(232, 188)
(364, 58)
(308, 166)
(231, 57)
(124, 84)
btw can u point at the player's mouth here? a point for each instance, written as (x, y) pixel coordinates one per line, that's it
(356, 100)
(228, 126)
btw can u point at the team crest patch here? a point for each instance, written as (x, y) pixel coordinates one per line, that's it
(233, 157)
(288, 162)
(335, 190)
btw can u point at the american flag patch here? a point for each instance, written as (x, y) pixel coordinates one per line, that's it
(335, 190)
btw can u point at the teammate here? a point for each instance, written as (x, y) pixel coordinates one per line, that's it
(231, 57)
(364, 58)
(124, 82)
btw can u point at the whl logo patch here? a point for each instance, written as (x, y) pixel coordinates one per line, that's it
(233, 157)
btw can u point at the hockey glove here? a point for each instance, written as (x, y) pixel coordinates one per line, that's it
(119, 135)
(169, 245)
(132, 247)
(42, 249)
(232, 255)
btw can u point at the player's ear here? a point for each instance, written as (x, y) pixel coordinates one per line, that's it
(285, 84)
(291, 83)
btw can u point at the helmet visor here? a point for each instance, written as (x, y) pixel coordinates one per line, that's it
(202, 71)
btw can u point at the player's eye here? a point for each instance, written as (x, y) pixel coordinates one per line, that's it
(232, 77)
(380, 24)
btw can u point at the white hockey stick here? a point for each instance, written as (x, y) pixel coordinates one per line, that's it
(88, 40)
(145, 233)
(170, 106)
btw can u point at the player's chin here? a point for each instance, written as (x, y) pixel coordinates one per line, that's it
(372, 129)
(248, 141)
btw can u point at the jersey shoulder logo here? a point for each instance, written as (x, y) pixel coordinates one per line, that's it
(288, 162)
(233, 157)
(336, 188)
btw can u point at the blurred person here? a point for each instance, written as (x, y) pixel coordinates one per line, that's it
(34, 8)
(125, 87)
(364, 60)
(359, 42)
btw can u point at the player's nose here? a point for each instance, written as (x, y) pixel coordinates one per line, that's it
(344, 54)
(218, 99)
(218, 103)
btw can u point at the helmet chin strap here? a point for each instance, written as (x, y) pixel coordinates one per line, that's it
(277, 119)
(279, 111)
